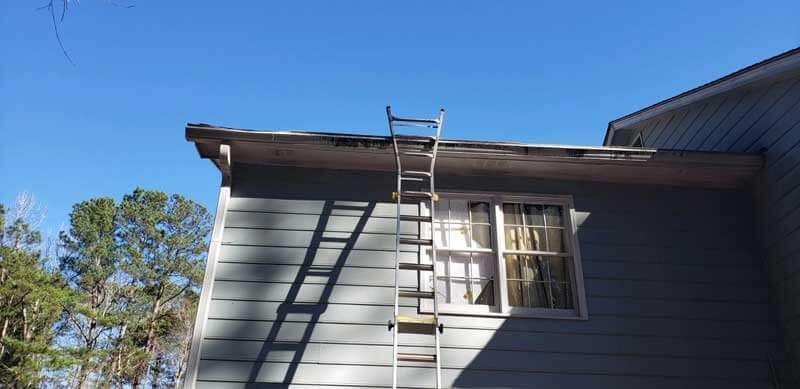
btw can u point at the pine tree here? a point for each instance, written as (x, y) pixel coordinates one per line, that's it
(163, 240)
(31, 302)
(90, 261)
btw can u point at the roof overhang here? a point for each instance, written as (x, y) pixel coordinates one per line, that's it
(781, 63)
(477, 158)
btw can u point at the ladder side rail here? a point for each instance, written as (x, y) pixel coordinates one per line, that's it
(396, 327)
(433, 249)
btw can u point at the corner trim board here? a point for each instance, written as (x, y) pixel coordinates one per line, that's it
(214, 246)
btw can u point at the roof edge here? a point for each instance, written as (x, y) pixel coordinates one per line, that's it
(206, 133)
(762, 69)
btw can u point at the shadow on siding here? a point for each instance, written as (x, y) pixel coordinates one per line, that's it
(314, 310)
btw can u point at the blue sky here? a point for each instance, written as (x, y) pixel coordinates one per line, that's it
(539, 72)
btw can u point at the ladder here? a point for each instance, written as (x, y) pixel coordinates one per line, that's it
(415, 150)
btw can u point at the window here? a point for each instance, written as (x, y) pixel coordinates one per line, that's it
(464, 263)
(536, 260)
(505, 255)
(637, 141)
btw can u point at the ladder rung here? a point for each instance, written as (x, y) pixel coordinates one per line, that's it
(416, 173)
(415, 294)
(414, 120)
(416, 194)
(412, 179)
(427, 320)
(418, 154)
(415, 241)
(412, 124)
(415, 138)
(414, 357)
(415, 218)
(416, 266)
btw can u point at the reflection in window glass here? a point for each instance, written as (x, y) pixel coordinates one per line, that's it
(465, 278)
(535, 281)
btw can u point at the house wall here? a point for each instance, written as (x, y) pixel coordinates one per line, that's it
(677, 297)
(761, 118)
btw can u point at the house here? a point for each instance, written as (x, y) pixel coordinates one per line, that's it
(660, 261)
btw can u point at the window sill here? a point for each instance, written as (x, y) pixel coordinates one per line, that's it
(521, 313)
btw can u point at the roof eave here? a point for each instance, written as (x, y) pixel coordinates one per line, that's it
(616, 164)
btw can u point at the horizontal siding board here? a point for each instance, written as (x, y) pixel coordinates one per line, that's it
(288, 238)
(565, 363)
(289, 273)
(607, 251)
(378, 314)
(418, 377)
(674, 272)
(308, 293)
(358, 294)
(322, 256)
(315, 207)
(308, 222)
(668, 290)
(741, 333)
(460, 338)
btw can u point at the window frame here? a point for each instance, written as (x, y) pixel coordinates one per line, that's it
(501, 308)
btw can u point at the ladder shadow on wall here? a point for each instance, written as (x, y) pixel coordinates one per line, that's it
(299, 310)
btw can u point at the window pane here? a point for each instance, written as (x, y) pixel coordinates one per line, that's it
(442, 209)
(482, 266)
(559, 269)
(459, 262)
(458, 291)
(536, 239)
(458, 236)
(534, 295)
(458, 211)
(532, 268)
(534, 214)
(554, 240)
(483, 292)
(442, 290)
(481, 236)
(440, 234)
(515, 294)
(479, 212)
(515, 239)
(553, 214)
(512, 214)
(441, 264)
(562, 295)
(512, 267)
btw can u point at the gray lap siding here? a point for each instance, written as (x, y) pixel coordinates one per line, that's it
(676, 298)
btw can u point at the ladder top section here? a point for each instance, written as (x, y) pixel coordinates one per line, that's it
(393, 118)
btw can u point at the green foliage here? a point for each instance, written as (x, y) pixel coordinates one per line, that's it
(121, 303)
(31, 301)
(163, 238)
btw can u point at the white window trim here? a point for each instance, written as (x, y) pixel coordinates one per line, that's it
(501, 307)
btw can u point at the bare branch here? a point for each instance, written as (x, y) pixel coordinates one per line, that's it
(51, 6)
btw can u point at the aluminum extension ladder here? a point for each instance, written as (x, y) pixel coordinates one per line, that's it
(417, 151)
